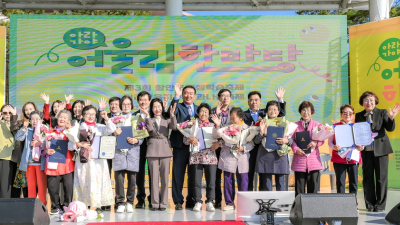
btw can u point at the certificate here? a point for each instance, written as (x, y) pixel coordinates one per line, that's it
(61, 148)
(96, 147)
(107, 147)
(362, 133)
(207, 136)
(350, 135)
(344, 135)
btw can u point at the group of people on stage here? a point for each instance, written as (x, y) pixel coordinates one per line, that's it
(89, 182)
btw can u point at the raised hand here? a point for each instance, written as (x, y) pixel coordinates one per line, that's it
(217, 120)
(68, 98)
(26, 124)
(219, 106)
(104, 115)
(263, 127)
(46, 98)
(172, 110)
(62, 106)
(279, 93)
(178, 90)
(87, 102)
(165, 101)
(12, 110)
(102, 103)
(146, 112)
(393, 113)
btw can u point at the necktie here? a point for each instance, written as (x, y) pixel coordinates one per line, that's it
(369, 117)
(190, 111)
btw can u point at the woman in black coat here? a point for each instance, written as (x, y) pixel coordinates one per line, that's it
(375, 157)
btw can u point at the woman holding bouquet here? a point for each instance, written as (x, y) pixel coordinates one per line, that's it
(269, 162)
(92, 184)
(60, 172)
(342, 165)
(306, 168)
(234, 161)
(159, 150)
(126, 161)
(34, 168)
(204, 159)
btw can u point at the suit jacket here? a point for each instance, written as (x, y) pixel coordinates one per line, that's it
(380, 123)
(158, 144)
(248, 119)
(228, 121)
(182, 115)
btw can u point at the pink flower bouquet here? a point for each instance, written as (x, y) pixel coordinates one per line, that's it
(39, 135)
(231, 135)
(118, 120)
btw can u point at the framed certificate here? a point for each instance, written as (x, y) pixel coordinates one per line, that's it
(350, 135)
(107, 147)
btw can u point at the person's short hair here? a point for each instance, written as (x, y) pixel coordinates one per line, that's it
(306, 104)
(204, 105)
(1, 110)
(73, 105)
(254, 93)
(189, 86)
(239, 112)
(143, 93)
(113, 99)
(273, 102)
(36, 112)
(368, 94)
(123, 99)
(224, 90)
(24, 116)
(66, 112)
(154, 100)
(52, 113)
(87, 108)
(346, 106)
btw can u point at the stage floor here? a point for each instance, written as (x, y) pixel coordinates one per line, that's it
(365, 217)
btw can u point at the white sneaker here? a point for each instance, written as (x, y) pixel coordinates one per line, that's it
(210, 207)
(197, 207)
(229, 207)
(120, 209)
(129, 208)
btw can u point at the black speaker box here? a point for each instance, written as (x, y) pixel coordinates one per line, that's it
(313, 208)
(23, 211)
(394, 215)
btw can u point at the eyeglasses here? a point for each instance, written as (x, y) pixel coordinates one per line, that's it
(6, 113)
(272, 110)
(369, 100)
(90, 115)
(348, 113)
(306, 111)
(126, 105)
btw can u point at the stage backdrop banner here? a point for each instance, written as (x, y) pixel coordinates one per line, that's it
(3, 52)
(375, 66)
(104, 56)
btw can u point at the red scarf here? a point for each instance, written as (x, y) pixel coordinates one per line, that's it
(90, 124)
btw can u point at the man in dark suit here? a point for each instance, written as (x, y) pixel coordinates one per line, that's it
(143, 99)
(254, 114)
(184, 111)
(115, 110)
(375, 157)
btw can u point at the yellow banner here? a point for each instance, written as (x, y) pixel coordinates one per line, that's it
(3, 32)
(375, 66)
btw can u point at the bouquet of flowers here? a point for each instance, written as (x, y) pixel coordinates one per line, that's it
(39, 135)
(139, 127)
(85, 134)
(72, 133)
(118, 120)
(187, 127)
(321, 133)
(231, 135)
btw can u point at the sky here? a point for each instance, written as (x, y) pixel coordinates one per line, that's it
(241, 13)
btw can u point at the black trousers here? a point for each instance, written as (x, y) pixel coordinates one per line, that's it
(8, 169)
(310, 178)
(141, 175)
(218, 190)
(209, 173)
(252, 168)
(340, 172)
(53, 186)
(180, 161)
(119, 177)
(375, 190)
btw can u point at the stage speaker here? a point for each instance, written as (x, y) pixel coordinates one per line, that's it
(394, 215)
(23, 211)
(340, 209)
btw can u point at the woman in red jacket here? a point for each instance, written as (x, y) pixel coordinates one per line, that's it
(342, 165)
(49, 116)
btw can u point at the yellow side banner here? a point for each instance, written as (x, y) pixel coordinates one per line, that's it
(3, 34)
(375, 66)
